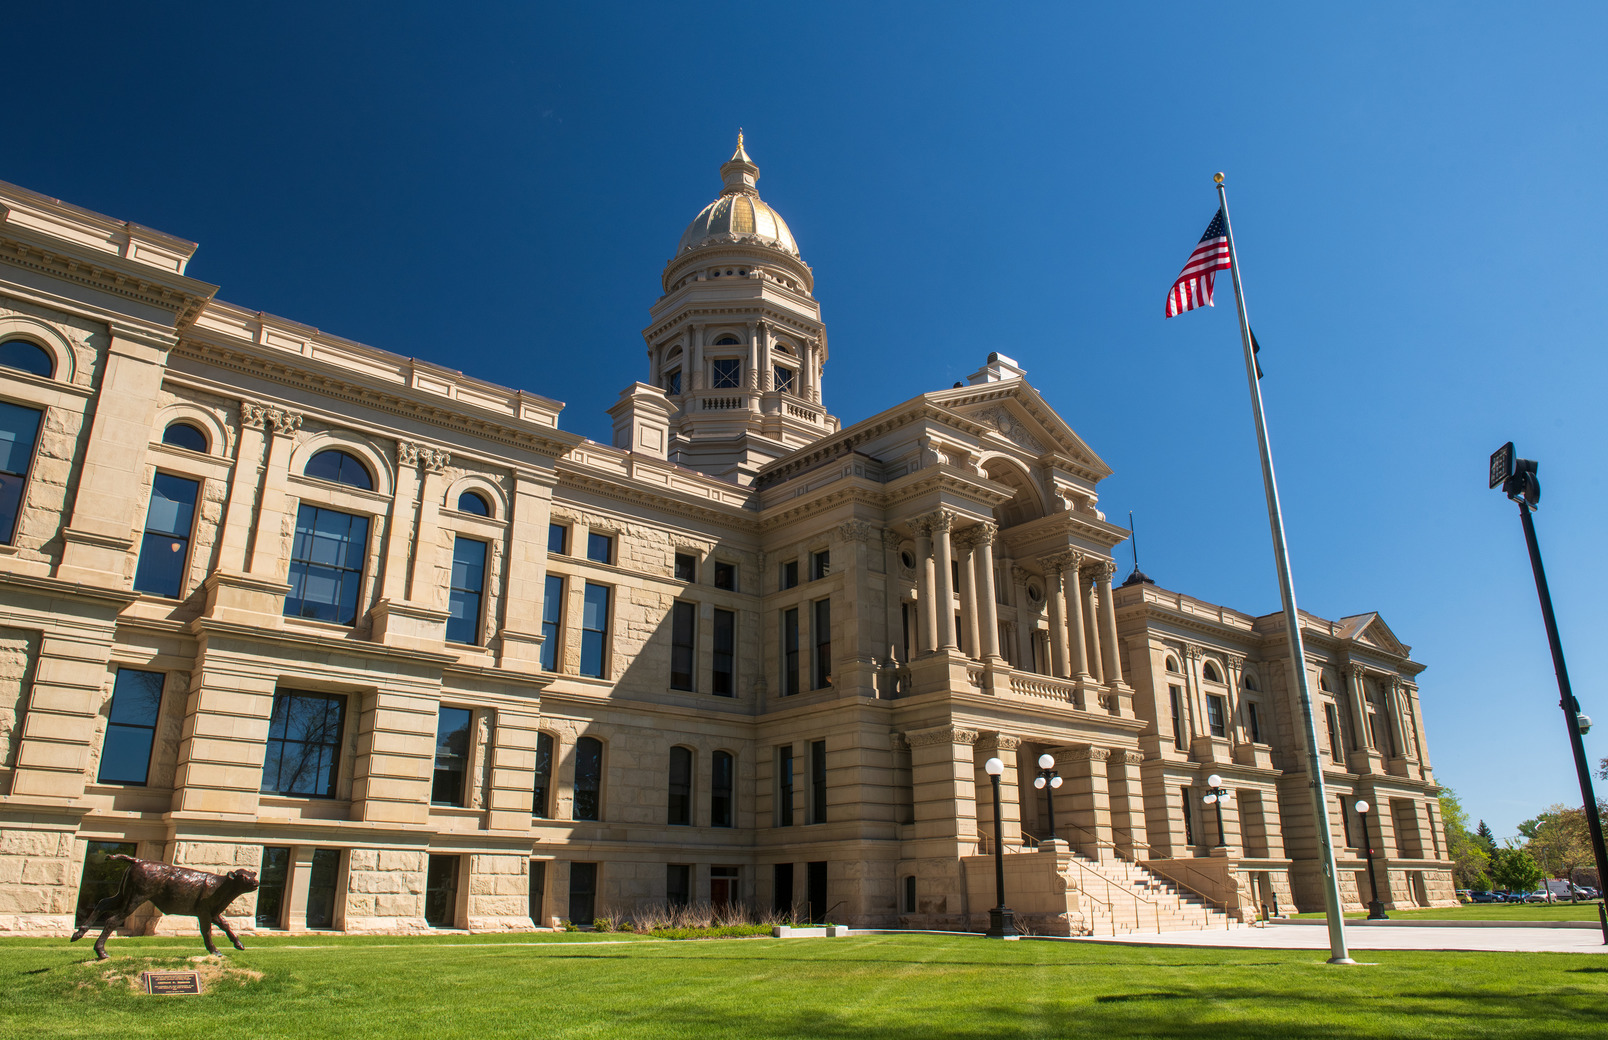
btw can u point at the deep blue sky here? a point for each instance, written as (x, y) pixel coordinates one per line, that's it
(1417, 195)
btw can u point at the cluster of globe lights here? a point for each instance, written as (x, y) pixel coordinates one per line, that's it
(1047, 762)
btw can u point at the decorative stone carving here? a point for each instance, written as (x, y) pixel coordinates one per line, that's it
(262, 416)
(942, 520)
(1000, 742)
(1011, 429)
(856, 531)
(434, 459)
(407, 454)
(983, 533)
(942, 735)
(1083, 753)
(890, 538)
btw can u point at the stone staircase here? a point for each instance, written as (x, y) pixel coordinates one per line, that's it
(1118, 897)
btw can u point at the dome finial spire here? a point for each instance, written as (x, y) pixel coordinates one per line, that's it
(739, 172)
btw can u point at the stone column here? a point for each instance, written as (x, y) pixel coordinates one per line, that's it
(1357, 694)
(964, 548)
(1110, 657)
(404, 511)
(431, 558)
(1084, 767)
(1026, 618)
(1077, 624)
(693, 377)
(241, 511)
(1056, 595)
(854, 655)
(926, 589)
(267, 560)
(944, 607)
(1127, 803)
(525, 577)
(988, 622)
(893, 606)
(1091, 630)
(98, 539)
(767, 381)
(752, 379)
(1003, 747)
(1393, 700)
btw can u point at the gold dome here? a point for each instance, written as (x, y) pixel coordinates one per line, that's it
(739, 212)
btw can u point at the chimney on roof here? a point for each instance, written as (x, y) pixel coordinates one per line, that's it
(999, 368)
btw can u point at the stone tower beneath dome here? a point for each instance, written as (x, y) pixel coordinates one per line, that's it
(736, 345)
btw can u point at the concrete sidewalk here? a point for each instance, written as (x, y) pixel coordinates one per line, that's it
(1314, 935)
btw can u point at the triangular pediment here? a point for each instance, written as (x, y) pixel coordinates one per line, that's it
(1014, 410)
(1371, 630)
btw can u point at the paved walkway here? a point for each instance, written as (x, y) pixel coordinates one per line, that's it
(1315, 936)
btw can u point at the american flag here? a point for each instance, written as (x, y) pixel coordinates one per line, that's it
(1194, 285)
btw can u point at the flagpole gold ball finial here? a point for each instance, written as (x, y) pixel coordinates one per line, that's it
(1217, 177)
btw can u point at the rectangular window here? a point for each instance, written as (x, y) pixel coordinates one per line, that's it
(541, 793)
(583, 893)
(131, 727)
(599, 547)
(789, 651)
(1332, 718)
(821, 631)
(726, 374)
(1216, 715)
(818, 781)
(588, 802)
(1345, 822)
(782, 889)
(678, 884)
(723, 886)
(594, 630)
(537, 894)
(686, 567)
(1253, 719)
(304, 744)
(322, 882)
(451, 756)
(326, 565)
(1189, 817)
(721, 787)
(271, 882)
(552, 621)
(102, 874)
(165, 549)
(1176, 696)
(683, 644)
(820, 564)
(789, 577)
(722, 674)
(557, 539)
(468, 586)
(726, 576)
(19, 430)
(441, 892)
(672, 383)
(784, 786)
(910, 893)
(784, 379)
(680, 799)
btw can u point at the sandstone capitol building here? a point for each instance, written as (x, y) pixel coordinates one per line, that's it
(386, 634)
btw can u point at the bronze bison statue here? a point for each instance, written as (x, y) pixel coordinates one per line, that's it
(173, 890)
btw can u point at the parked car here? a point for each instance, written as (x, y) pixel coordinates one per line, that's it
(1485, 895)
(1463, 896)
(1539, 896)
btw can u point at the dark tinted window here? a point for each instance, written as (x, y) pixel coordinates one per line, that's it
(326, 565)
(683, 620)
(340, 467)
(686, 567)
(131, 727)
(470, 502)
(599, 547)
(272, 877)
(541, 797)
(594, 629)
(552, 611)
(451, 757)
(722, 680)
(720, 790)
(19, 429)
(680, 786)
(27, 357)
(726, 576)
(557, 538)
(183, 435)
(304, 743)
(588, 778)
(321, 883)
(165, 548)
(468, 586)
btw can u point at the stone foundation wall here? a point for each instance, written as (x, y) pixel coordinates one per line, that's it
(499, 894)
(385, 891)
(38, 888)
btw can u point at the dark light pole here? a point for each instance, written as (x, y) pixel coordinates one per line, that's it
(1376, 909)
(1001, 920)
(1216, 795)
(1047, 781)
(1520, 483)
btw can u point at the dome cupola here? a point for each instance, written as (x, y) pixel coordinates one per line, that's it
(739, 214)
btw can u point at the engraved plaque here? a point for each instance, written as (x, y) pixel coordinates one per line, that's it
(171, 982)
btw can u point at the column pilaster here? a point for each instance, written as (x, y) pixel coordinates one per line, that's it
(1055, 593)
(988, 621)
(1073, 565)
(944, 608)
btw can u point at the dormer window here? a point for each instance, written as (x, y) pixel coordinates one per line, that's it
(726, 373)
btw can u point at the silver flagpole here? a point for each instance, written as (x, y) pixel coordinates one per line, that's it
(1292, 622)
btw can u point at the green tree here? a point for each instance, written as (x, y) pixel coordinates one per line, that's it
(1471, 863)
(1486, 839)
(1515, 871)
(1560, 841)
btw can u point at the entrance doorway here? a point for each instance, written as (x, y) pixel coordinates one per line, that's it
(815, 882)
(722, 887)
(782, 889)
(538, 892)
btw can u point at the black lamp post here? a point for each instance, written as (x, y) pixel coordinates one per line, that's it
(1047, 781)
(1216, 795)
(1376, 909)
(1001, 921)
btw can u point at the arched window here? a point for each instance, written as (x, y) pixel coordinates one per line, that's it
(680, 787)
(473, 502)
(1211, 673)
(341, 467)
(721, 787)
(1250, 682)
(1323, 682)
(1172, 664)
(185, 435)
(588, 779)
(27, 357)
(728, 341)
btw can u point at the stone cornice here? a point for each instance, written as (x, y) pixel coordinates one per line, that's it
(572, 475)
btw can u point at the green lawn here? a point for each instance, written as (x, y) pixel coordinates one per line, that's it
(1492, 912)
(896, 987)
